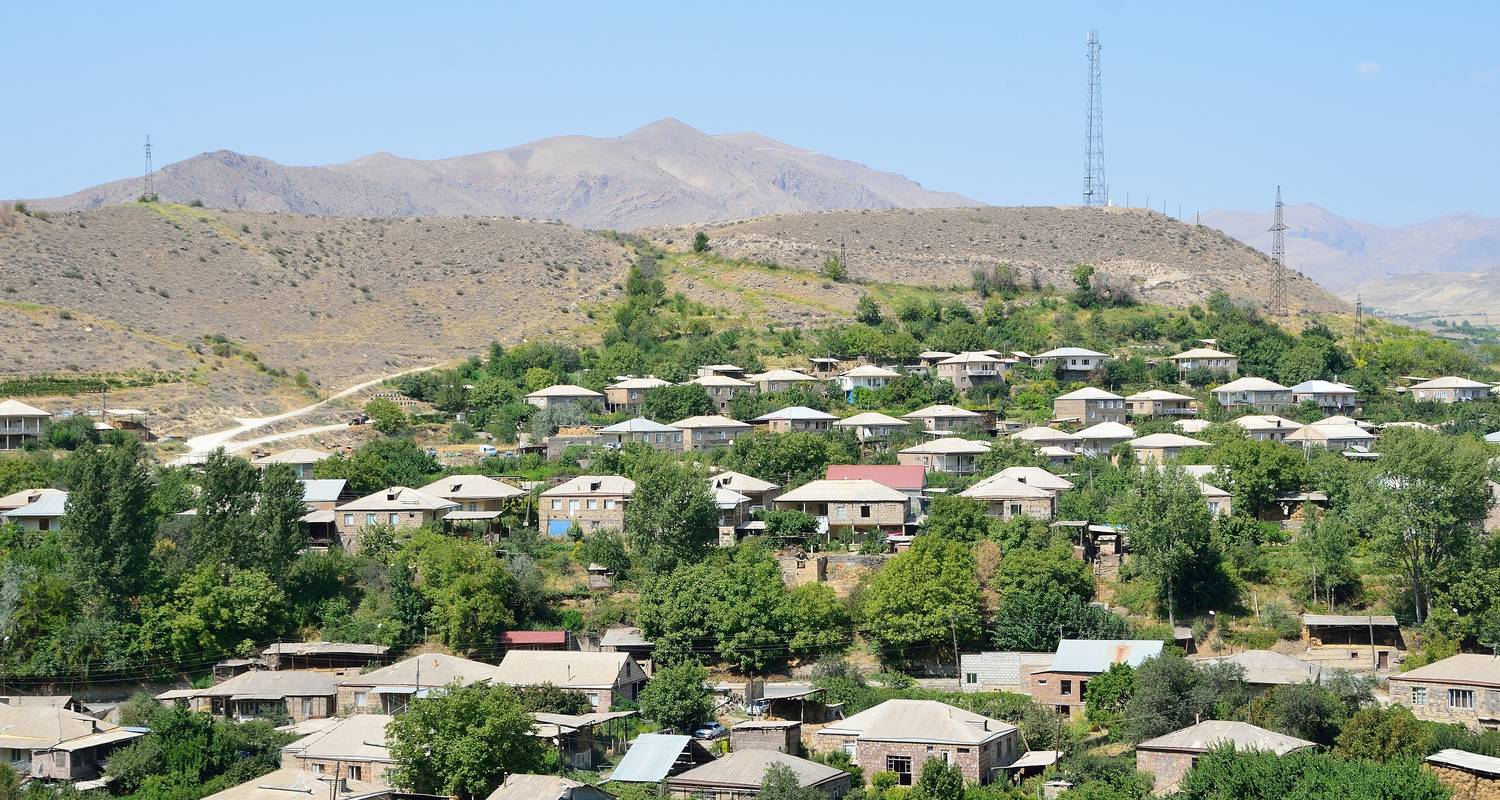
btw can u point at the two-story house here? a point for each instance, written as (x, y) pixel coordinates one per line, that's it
(942, 418)
(872, 426)
(1448, 389)
(722, 388)
(1205, 358)
(1160, 403)
(563, 394)
(20, 423)
(1088, 406)
(1267, 427)
(628, 393)
(590, 501)
(1100, 438)
(949, 454)
(867, 376)
(1257, 393)
(968, 370)
(861, 505)
(644, 431)
(397, 507)
(481, 499)
(710, 432)
(780, 380)
(760, 492)
(1330, 397)
(1073, 363)
(797, 418)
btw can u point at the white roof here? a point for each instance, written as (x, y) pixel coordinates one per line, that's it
(1202, 352)
(780, 375)
(870, 419)
(728, 498)
(593, 484)
(564, 390)
(931, 354)
(739, 482)
(970, 358)
(567, 669)
(1070, 352)
(1002, 488)
(1340, 419)
(322, 490)
(398, 498)
(360, 737)
(870, 371)
(647, 382)
(1447, 382)
(1106, 430)
(26, 497)
(1323, 433)
(638, 425)
(793, 413)
(843, 491)
(16, 408)
(1035, 476)
(1040, 434)
(1209, 734)
(1469, 762)
(949, 445)
(1191, 425)
(297, 455)
(1053, 451)
(1089, 393)
(436, 669)
(49, 504)
(1266, 422)
(1167, 440)
(919, 721)
(1158, 394)
(1493, 438)
(941, 410)
(471, 487)
(710, 421)
(719, 380)
(1251, 384)
(1323, 387)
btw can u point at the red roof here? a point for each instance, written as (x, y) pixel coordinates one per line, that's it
(534, 637)
(901, 477)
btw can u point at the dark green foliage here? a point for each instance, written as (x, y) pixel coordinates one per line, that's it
(462, 742)
(867, 311)
(1384, 734)
(1170, 527)
(789, 459)
(606, 548)
(939, 781)
(191, 754)
(386, 416)
(380, 464)
(1108, 693)
(668, 404)
(677, 697)
(922, 598)
(700, 242)
(71, 433)
(671, 519)
(1172, 693)
(1228, 775)
(1035, 622)
(109, 527)
(552, 700)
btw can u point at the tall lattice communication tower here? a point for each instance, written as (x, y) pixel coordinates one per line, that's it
(147, 190)
(1278, 255)
(1095, 188)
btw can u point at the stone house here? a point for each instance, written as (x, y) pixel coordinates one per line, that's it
(1088, 406)
(1332, 437)
(600, 677)
(1159, 448)
(872, 426)
(909, 479)
(520, 786)
(1267, 427)
(739, 775)
(1041, 437)
(781, 735)
(1469, 775)
(949, 454)
(1159, 403)
(627, 394)
(353, 747)
(1205, 358)
(942, 418)
(797, 418)
(1171, 756)
(591, 501)
(1005, 498)
(710, 432)
(722, 388)
(1332, 398)
(779, 380)
(865, 376)
(301, 460)
(398, 507)
(20, 424)
(928, 359)
(388, 690)
(480, 498)
(862, 505)
(563, 394)
(968, 370)
(1448, 389)
(1354, 642)
(1464, 688)
(1064, 683)
(53, 743)
(760, 492)
(901, 735)
(299, 694)
(729, 370)
(1038, 477)
(1073, 363)
(642, 430)
(1257, 393)
(1099, 439)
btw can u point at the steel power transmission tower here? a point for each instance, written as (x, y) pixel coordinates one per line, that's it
(147, 190)
(1095, 188)
(1278, 255)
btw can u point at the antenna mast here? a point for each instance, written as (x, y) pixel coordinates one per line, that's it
(147, 189)
(1095, 189)
(1278, 255)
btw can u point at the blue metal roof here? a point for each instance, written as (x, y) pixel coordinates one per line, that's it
(1096, 655)
(650, 758)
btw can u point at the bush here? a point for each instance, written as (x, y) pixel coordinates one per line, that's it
(834, 269)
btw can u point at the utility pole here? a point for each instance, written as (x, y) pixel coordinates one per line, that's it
(1095, 187)
(1278, 255)
(148, 188)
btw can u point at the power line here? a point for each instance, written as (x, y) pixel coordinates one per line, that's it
(1278, 255)
(148, 188)
(1095, 188)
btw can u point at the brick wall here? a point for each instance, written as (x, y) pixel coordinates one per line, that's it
(588, 519)
(1047, 687)
(977, 764)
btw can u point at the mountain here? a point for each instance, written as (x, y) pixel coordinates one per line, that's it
(1447, 258)
(1164, 261)
(664, 173)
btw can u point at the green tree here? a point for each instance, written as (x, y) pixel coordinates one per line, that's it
(1225, 774)
(667, 404)
(606, 548)
(1384, 734)
(1326, 545)
(700, 242)
(1036, 622)
(789, 523)
(834, 269)
(22, 473)
(819, 622)
(1172, 693)
(223, 528)
(923, 598)
(939, 781)
(386, 416)
(1255, 472)
(462, 742)
(867, 311)
(958, 518)
(279, 510)
(678, 697)
(1108, 693)
(109, 528)
(671, 518)
(72, 433)
(1169, 527)
(781, 783)
(552, 700)
(1036, 572)
(1083, 294)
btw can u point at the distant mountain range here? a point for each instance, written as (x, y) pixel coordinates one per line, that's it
(1446, 266)
(664, 173)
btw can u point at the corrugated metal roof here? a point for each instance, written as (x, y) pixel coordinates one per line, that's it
(1096, 655)
(1382, 620)
(850, 491)
(1207, 735)
(919, 721)
(745, 769)
(1466, 761)
(901, 477)
(1473, 668)
(650, 758)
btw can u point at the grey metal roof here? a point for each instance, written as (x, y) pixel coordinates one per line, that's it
(650, 758)
(919, 721)
(275, 684)
(1096, 655)
(322, 490)
(1317, 620)
(1206, 735)
(1465, 668)
(745, 769)
(1466, 761)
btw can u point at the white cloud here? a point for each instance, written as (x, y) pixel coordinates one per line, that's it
(1367, 69)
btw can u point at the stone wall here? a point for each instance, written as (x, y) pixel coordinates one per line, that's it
(1435, 706)
(1166, 768)
(1466, 785)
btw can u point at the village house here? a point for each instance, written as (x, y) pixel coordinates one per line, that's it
(1267, 427)
(1219, 501)
(999, 671)
(24, 497)
(796, 418)
(739, 775)
(321, 496)
(388, 690)
(301, 460)
(1464, 688)
(722, 388)
(20, 424)
(1469, 775)
(590, 501)
(1168, 758)
(728, 370)
(899, 736)
(642, 430)
(734, 515)
(1038, 477)
(1159, 403)
(1355, 642)
(1332, 437)
(1047, 437)
(298, 694)
(1191, 426)
(1099, 439)
(602, 678)
(1006, 498)
(968, 370)
(782, 735)
(825, 367)
(398, 507)
(909, 479)
(1290, 509)
(353, 748)
(760, 492)
(1063, 684)
(293, 782)
(1159, 448)
(780, 380)
(53, 743)
(1205, 358)
(1267, 668)
(480, 499)
(654, 757)
(1257, 393)
(323, 655)
(628, 393)
(710, 432)
(950, 454)
(1088, 406)
(1073, 363)
(863, 506)
(1450, 389)
(563, 394)
(43, 512)
(536, 640)
(943, 418)
(929, 359)
(519, 786)
(866, 376)
(873, 427)
(1330, 397)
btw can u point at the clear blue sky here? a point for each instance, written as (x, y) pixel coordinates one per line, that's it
(1379, 110)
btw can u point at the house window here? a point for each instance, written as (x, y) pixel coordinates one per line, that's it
(901, 765)
(1015, 509)
(1461, 698)
(572, 505)
(359, 699)
(971, 677)
(395, 519)
(307, 706)
(1419, 695)
(315, 768)
(593, 504)
(348, 520)
(593, 698)
(369, 519)
(556, 505)
(356, 772)
(864, 512)
(44, 524)
(1065, 687)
